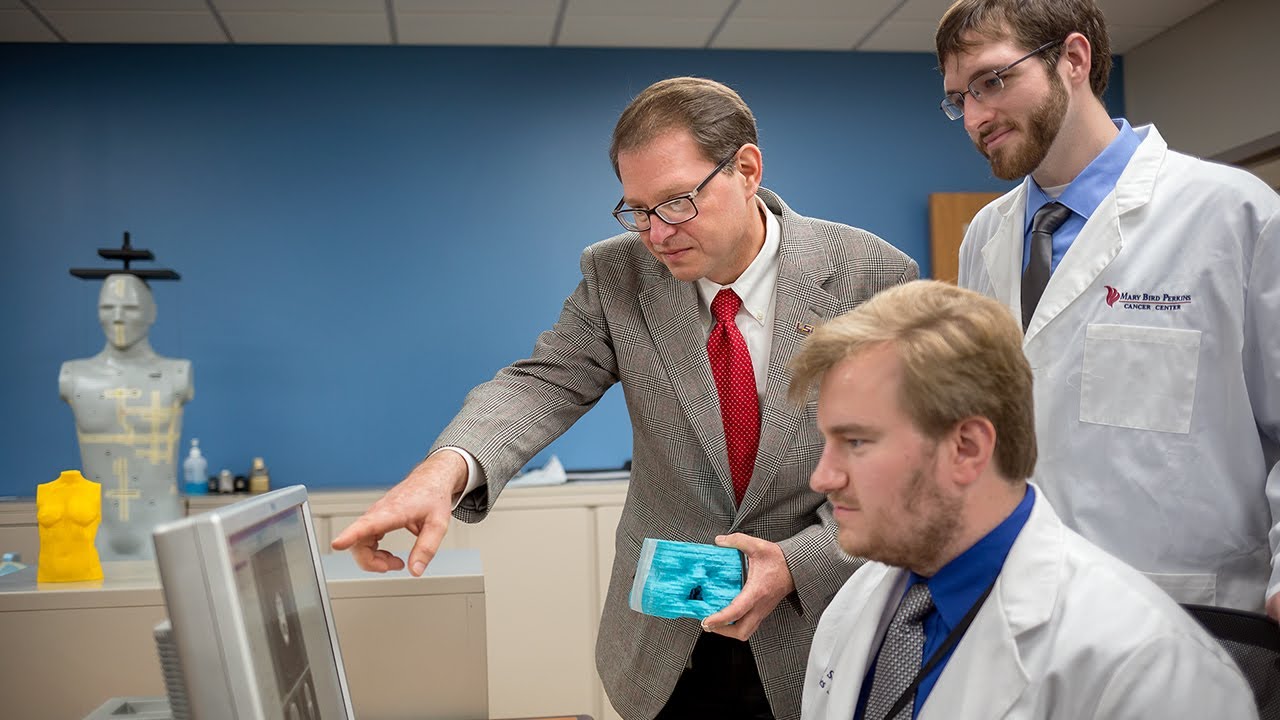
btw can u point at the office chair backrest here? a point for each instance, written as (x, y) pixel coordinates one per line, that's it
(1253, 641)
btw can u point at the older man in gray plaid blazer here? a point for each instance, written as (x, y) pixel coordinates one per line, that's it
(641, 316)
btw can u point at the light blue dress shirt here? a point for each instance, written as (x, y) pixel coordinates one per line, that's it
(1084, 194)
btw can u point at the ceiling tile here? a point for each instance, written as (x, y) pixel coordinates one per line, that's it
(922, 11)
(812, 10)
(795, 34)
(22, 26)
(618, 31)
(310, 6)
(895, 25)
(1127, 37)
(137, 27)
(1123, 17)
(902, 36)
(473, 29)
(1150, 13)
(517, 8)
(122, 5)
(653, 8)
(309, 28)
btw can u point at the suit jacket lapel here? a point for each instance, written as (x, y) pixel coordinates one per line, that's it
(670, 309)
(1101, 239)
(1023, 600)
(1093, 249)
(875, 604)
(1002, 252)
(799, 302)
(987, 657)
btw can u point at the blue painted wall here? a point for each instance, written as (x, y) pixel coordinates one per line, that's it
(364, 233)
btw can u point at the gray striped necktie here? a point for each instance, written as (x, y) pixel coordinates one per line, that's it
(900, 655)
(1046, 222)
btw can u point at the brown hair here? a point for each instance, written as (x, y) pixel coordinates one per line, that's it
(717, 118)
(1028, 24)
(961, 356)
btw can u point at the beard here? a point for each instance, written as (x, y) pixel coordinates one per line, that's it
(930, 522)
(1015, 162)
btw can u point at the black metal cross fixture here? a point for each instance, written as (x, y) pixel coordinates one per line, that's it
(126, 253)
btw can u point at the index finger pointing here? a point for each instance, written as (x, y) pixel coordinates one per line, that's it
(370, 527)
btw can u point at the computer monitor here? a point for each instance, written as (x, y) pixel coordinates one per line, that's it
(250, 612)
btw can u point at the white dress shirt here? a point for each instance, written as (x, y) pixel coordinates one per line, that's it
(755, 286)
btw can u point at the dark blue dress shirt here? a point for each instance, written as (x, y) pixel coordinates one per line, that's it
(955, 588)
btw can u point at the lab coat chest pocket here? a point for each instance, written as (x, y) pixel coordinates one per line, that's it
(1139, 377)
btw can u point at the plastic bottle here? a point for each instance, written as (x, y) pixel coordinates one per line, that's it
(193, 469)
(259, 480)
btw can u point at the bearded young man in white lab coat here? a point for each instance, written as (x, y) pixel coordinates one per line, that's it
(925, 409)
(1156, 342)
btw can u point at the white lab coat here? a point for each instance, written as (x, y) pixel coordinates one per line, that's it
(1158, 422)
(1068, 633)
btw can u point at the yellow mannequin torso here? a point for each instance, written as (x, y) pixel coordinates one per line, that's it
(68, 511)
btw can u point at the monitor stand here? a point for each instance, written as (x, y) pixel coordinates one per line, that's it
(132, 708)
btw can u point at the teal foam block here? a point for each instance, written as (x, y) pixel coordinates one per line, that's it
(681, 579)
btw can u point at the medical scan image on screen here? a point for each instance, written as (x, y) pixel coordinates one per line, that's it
(288, 636)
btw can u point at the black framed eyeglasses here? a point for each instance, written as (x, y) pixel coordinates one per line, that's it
(678, 209)
(988, 84)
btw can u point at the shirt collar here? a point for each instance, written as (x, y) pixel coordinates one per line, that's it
(756, 284)
(957, 586)
(1084, 194)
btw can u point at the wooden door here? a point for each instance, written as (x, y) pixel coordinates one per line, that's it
(949, 218)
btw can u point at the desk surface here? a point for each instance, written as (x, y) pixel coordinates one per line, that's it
(157, 708)
(137, 582)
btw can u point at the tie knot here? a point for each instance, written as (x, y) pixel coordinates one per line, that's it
(1050, 217)
(725, 305)
(916, 604)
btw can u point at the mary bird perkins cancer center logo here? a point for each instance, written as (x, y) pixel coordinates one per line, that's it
(1146, 301)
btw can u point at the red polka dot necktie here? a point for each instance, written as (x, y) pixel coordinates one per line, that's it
(736, 383)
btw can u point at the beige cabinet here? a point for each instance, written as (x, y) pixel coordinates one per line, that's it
(607, 517)
(18, 530)
(546, 554)
(69, 647)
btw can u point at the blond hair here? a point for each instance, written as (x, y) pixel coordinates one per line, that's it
(961, 357)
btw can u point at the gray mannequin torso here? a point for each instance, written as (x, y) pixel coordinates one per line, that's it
(127, 402)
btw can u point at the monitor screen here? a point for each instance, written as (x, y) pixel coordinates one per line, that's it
(250, 612)
(284, 621)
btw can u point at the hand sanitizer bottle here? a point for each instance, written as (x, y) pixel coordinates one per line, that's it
(193, 469)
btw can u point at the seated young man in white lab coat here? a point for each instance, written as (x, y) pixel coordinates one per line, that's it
(925, 406)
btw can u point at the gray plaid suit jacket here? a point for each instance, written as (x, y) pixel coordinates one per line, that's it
(630, 321)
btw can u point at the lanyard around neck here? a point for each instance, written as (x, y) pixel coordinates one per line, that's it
(952, 639)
